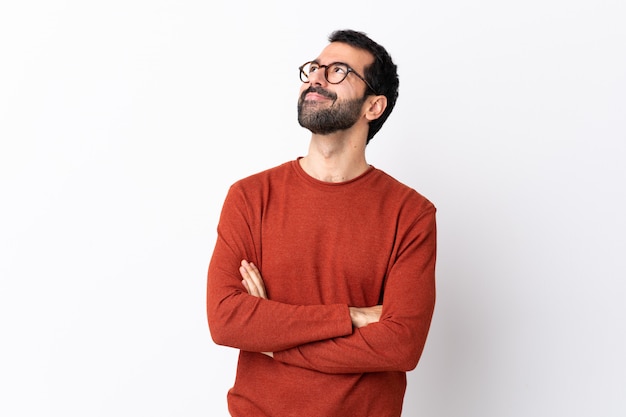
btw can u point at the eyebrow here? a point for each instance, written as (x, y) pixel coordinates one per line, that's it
(335, 62)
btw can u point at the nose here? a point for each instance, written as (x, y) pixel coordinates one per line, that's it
(318, 77)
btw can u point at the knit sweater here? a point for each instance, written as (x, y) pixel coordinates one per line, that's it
(322, 247)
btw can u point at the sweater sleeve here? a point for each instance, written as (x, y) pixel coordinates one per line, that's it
(240, 320)
(396, 342)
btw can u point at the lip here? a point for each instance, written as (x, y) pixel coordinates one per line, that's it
(315, 97)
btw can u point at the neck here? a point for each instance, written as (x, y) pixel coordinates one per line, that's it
(335, 158)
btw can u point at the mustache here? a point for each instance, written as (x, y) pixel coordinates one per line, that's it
(320, 91)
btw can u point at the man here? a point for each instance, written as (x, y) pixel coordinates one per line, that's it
(323, 273)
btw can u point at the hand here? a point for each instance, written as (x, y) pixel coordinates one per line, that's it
(362, 316)
(252, 280)
(253, 283)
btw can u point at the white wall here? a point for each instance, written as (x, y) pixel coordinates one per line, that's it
(122, 124)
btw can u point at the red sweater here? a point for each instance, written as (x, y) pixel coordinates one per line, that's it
(322, 247)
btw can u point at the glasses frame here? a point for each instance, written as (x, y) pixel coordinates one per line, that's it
(305, 78)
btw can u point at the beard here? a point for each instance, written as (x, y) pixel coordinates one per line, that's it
(341, 115)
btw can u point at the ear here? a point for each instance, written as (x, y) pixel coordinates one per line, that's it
(375, 106)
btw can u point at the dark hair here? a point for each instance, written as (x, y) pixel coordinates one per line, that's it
(382, 75)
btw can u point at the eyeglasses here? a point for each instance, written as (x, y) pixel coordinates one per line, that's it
(333, 73)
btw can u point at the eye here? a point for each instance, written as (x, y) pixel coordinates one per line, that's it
(313, 66)
(339, 69)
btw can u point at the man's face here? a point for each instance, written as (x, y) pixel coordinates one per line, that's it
(325, 108)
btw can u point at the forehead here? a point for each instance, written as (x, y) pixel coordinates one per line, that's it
(342, 52)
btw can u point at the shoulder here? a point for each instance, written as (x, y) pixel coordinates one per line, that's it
(264, 177)
(402, 193)
(249, 194)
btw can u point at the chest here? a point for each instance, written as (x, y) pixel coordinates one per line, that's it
(326, 249)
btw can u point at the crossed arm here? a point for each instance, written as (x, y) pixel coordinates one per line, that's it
(332, 338)
(254, 285)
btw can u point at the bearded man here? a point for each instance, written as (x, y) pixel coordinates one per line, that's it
(323, 272)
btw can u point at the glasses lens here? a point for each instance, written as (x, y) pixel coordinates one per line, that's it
(336, 73)
(305, 70)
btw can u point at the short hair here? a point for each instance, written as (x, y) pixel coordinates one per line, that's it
(382, 75)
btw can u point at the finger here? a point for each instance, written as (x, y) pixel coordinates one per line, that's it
(252, 281)
(258, 280)
(245, 285)
(246, 280)
(252, 272)
(249, 283)
(254, 268)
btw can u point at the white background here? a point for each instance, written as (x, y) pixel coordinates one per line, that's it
(122, 124)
